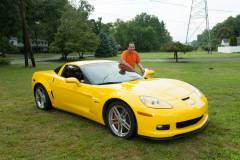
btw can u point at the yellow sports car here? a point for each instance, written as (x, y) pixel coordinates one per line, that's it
(127, 103)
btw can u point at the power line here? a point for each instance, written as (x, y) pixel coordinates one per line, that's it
(187, 6)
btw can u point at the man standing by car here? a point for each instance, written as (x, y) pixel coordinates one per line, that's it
(130, 59)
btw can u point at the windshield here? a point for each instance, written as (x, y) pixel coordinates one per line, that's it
(107, 73)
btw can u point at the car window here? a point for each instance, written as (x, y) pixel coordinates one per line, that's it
(56, 70)
(107, 73)
(74, 72)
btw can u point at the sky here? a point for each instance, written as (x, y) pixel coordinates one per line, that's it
(175, 13)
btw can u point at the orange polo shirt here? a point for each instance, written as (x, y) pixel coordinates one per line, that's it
(132, 58)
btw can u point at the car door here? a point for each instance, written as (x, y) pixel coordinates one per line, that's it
(72, 97)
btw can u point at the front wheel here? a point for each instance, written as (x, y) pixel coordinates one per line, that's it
(41, 98)
(121, 120)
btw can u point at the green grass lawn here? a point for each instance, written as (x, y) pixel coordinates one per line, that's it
(195, 54)
(29, 133)
(149, 56)
(167, 55)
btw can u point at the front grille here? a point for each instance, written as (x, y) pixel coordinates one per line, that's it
(188, 122)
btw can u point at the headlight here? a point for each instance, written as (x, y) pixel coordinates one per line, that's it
(153, 102)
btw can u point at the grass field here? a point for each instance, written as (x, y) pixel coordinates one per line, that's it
(29, 133)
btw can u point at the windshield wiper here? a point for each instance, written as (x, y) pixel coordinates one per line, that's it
(109, 83)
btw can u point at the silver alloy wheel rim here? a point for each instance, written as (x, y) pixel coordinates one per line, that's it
(119, 120)
(40, 98)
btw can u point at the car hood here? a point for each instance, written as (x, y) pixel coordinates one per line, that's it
(163, 88)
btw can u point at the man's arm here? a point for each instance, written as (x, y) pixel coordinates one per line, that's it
(122, 61)
(141, 68)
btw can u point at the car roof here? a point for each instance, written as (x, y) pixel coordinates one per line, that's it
(80, 63)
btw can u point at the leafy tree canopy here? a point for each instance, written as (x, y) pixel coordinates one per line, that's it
(74, 33)
(145, 30)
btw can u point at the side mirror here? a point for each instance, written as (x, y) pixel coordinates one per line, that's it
(73, 80)
(148, 73)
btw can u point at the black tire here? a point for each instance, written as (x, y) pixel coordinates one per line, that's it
(42, 99)
(123, 108)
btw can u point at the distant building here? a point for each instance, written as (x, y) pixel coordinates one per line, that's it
(238, 41)
(225, 42)
(37, 45)
(226, 48)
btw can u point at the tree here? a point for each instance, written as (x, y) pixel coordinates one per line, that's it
(145, 30)
(74, 32)
(88, 42)
(26, 40)
(114, 45)
(37, 18)
(107, 41)
(105, 48)
(176, 47)
(233, 41)
(44, 17)
(9, 18)
(10, 24)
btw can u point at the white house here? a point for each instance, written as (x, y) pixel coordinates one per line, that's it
(238, 41)
(226, 48)
(37, 45)
(225, 42)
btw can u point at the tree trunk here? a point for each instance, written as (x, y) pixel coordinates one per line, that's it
(26, 41)
(176, 56)
(36, 41)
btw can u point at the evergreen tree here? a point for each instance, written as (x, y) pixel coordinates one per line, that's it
(114, 46)
(233, 41)
(105, 48)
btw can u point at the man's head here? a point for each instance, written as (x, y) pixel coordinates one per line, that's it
(131, 47)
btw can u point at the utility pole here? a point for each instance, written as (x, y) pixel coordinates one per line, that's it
(199, 22)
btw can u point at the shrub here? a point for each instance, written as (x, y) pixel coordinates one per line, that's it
(4, 61)
(6, 47)
(233, 41)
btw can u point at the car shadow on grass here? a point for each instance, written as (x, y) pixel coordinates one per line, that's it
(89, 124)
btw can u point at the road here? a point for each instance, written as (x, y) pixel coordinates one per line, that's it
(56, 57)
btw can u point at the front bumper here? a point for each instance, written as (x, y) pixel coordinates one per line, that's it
(147, 126)
(180, 135)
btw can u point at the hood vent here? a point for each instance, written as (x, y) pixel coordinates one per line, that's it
(184, 99)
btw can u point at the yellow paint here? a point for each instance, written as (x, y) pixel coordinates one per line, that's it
(88, 100)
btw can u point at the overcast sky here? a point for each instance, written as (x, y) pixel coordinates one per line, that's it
(175, 13)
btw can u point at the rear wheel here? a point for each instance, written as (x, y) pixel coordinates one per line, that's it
(121, 120)
(41, 98)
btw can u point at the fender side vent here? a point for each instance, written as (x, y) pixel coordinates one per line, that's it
(52, 94)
